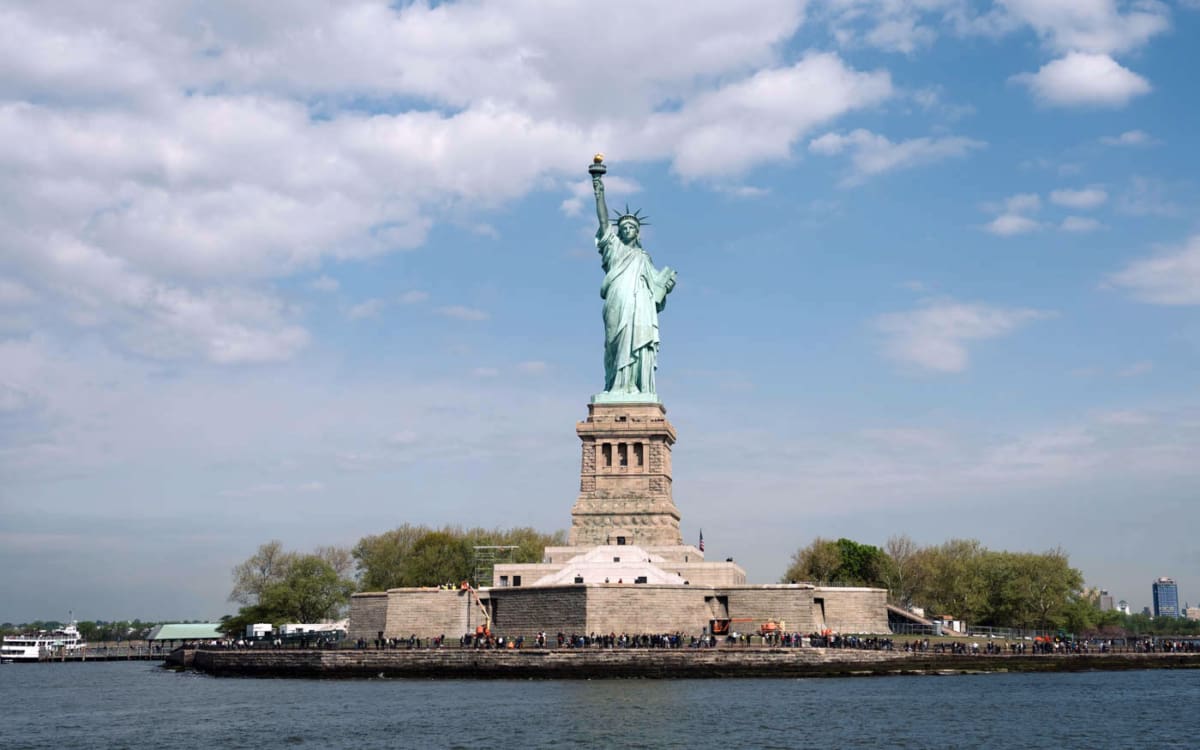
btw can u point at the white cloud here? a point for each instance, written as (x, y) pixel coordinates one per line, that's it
(324, 283)
(582, 192)
(412, 297)
(930, 99)
(1013, 218)
(221, 323)
(1129, 138)
(903, 26)
(533, 367)
(1063, 452)
(14, 294)
(275, 488)
(15, 399)
(1091, 25)
(872, 154)
(1085, 198)
(900, 35)
(756, 120)
(1148, 196)
(1022, 203)
(743, 191)
(1170, 278)
(1127, 417)
(403, 437)
(935, 337)
(485, 372)
(1136, 369)
(461, 312)
(1084, 79)
(1080, 224)
(366, 309)
(1007, 225)
(220, 146)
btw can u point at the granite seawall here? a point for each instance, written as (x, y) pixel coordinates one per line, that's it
(647, 663)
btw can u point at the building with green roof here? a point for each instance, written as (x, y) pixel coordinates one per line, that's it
(186, 631)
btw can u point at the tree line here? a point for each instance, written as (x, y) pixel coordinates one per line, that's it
(92, 631)
(278, 586)
(967, 581)
(959, 577)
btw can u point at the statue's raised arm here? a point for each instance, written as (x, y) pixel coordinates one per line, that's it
(597, 170)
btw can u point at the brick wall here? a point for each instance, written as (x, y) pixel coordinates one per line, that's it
(791, 604)
(854, 610)
(368, 615)
(640, 608)
(427, 613)
(629, 608)
(525, 611)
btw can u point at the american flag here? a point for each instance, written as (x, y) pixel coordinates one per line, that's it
(701, 540)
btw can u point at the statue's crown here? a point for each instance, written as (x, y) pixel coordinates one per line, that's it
(635, 215)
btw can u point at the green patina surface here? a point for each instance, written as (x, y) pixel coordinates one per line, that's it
(634, 293)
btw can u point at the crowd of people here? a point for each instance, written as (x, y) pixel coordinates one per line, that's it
(482, 639)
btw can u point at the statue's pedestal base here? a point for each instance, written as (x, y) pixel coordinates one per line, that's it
(625, 477)
(604, 397)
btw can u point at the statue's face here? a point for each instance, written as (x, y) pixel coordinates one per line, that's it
(627, 230)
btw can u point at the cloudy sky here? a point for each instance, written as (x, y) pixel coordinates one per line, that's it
(308, 270)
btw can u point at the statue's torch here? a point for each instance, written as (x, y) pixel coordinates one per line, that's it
(597, 168)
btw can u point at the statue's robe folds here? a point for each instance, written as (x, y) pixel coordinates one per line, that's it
(634, 294)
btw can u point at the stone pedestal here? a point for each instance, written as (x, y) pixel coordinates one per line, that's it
(625, 478)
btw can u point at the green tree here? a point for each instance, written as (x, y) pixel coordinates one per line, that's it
(380, 558)
(419, 556)
(844, 562)
(861, 564)
(267, 565)
(438, 557)
(1046, 584)
(818, 563)
(531, 544)
(339, 558)
(1083, 617)
(277, 586)
(999, 574)
(311, 591)
(899, 571)
(951, 580)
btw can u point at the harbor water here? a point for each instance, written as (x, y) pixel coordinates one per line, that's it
(138, 705)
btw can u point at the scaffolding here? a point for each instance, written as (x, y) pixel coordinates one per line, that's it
(485, 559)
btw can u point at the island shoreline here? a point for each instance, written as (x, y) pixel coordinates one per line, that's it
(720, 663)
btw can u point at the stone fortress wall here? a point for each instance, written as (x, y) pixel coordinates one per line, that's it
(626, 569)
(616, 608)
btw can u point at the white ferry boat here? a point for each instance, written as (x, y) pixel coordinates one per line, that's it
(44, 645)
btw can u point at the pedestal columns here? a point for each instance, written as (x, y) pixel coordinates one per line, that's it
(625, 478)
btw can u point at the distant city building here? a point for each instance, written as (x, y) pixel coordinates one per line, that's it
(1192, 613)
(1166, 598)
(1106, 601)
(1123, 607)
(1146, 611)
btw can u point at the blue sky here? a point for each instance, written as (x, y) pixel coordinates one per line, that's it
(311, 270)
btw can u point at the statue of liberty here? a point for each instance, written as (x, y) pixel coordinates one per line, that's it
(634, 293)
